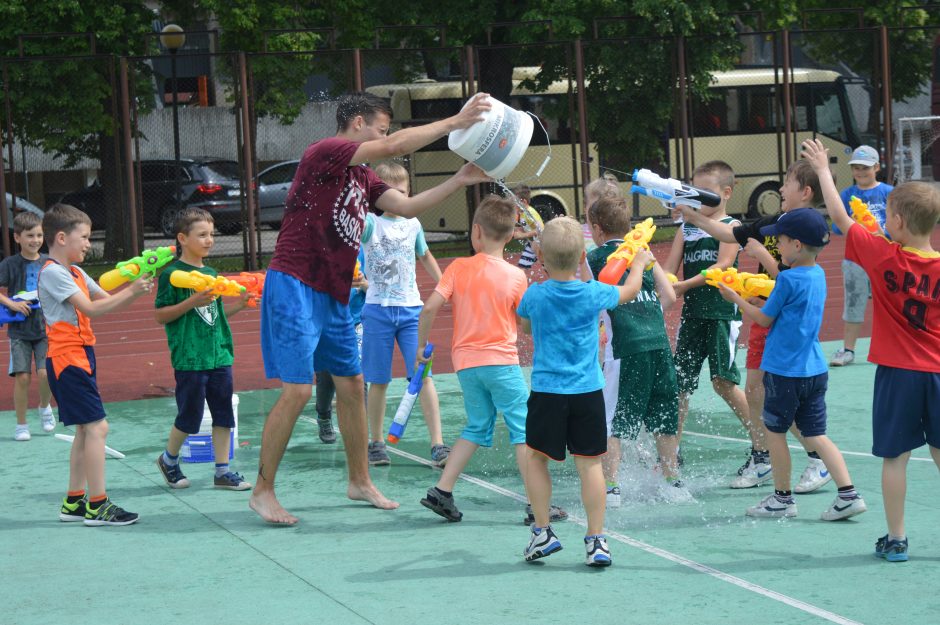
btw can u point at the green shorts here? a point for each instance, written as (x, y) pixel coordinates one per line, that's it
(648, 395)
(701, 339)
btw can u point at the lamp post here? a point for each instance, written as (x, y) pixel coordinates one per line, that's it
(172, 38)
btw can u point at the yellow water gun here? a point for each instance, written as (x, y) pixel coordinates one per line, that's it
(862, 215)
(743, 283)
(621, 259)
(198, 281)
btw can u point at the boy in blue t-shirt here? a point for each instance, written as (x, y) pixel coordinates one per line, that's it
(865, 167)
(566, 406)
(795, 372)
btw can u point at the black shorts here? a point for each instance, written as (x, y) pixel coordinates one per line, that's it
(195, 389)
(576, 422)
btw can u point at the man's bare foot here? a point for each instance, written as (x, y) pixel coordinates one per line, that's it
(368, 492)
(269, 509)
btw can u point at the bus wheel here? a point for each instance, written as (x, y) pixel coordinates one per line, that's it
(548, 207)
(765, 201)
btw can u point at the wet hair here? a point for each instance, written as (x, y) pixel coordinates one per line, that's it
(721, 170)
(605, 186)
(802, 171)
(352, 105)
(562, 244)
(391, 173)
(62, 218)
(190, 217)
(496, 216)
(26, 221)
(918, 203)
(611, 215)
(523, 192)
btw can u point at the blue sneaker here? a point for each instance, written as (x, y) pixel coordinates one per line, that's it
(543, 543)
(598, 553)
(172, 475)
(231, 481)
(891, 550)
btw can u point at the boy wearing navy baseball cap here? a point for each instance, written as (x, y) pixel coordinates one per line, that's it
(795, 371)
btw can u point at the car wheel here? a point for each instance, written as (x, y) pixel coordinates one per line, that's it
(169, 215)
(764, 201)
(230, 228)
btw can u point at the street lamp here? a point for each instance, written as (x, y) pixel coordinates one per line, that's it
(172, 38)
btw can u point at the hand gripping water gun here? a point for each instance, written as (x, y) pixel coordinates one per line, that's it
(621, 259)
(148, 262)
(862, 215)
(400, 422)
(670, 192)
(743, 283)
(7, 315)
(253, 283)
(199, 281)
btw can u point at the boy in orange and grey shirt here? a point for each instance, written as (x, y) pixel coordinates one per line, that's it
(484, 290)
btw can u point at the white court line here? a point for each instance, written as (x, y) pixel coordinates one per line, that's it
(800, 447)
(662, 553)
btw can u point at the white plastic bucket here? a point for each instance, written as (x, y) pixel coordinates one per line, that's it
(205, 426)
(497, 143)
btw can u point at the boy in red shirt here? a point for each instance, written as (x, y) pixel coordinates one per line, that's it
(905, 342)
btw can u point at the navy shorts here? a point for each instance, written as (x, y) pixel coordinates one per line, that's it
(76, 387)
(906, 411)
(556, 421)
(801, 400)
(194, 389)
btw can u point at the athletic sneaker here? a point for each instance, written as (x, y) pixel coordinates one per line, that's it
(613, 496)
(71, 512)
(232, 481)
(598, 553)
(555, 513)
(543, 543)
(47, 419)
(814, 477)
(891, 550)
(842, 358)
(842, 509)
(771, 507)
(21, 433)
(439, 503)
(752, 474)
(327, 434)
(439, 454)
(172, 475)
(378, 457)
(109, 514)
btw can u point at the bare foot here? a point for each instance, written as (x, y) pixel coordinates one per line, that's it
(269, 509)
(368, 492)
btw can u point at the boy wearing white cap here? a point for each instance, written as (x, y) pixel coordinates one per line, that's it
(865, 167)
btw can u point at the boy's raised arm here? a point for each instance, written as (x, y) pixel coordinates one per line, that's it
(664, 288)
(720, 231)
(400, 204)
(674, 260)
(818, 156)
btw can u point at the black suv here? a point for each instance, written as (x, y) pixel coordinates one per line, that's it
(204, 182)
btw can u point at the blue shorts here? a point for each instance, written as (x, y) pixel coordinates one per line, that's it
(382, 326)
(304, 330)
(194, 389)
(488, 390)
(801, 400)
(906, 411)
(76, 391)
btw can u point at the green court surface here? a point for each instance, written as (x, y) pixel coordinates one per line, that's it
(201, 556)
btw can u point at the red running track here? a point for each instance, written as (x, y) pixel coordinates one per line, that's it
(134, 361)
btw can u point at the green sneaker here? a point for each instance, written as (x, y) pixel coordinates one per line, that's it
(109, 514)
(72, 512)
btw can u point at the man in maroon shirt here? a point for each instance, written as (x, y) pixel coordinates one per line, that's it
(305, 320)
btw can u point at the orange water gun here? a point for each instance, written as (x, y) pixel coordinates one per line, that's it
(862, 215)
(129, 270)
(621, 259)
(253, 283)
(743, 283)
(199, 281)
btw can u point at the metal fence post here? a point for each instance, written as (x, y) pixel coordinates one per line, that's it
(886, 100)
(129, 158)
(582, 110)
(247, 152)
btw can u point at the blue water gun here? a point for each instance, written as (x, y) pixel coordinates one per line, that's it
(9, 316)
(400, 422)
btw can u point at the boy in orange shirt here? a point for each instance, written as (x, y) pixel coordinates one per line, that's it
(484, 290)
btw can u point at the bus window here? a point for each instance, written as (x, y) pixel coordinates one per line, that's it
(827, 108)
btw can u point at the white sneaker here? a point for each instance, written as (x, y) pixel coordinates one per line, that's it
(753, 475)
(770, 507)
(47, 419)
(545, 543)
(21, 433)
(842, 509)
(842, 358)
(814, 477)
(613, 496)
(598, 553)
